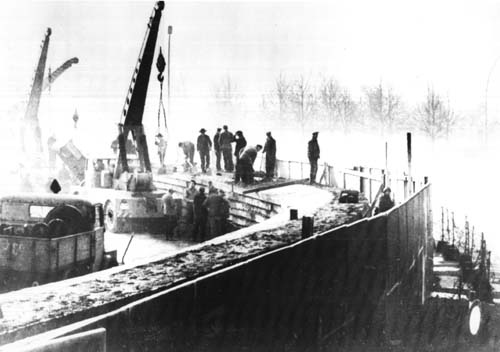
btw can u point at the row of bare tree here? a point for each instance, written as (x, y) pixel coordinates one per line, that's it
(331, 105)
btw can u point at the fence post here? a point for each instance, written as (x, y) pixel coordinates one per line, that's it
(442, 224)
(370, 185)
(301, 170)
(344, 179)
(361, 180)
(289, 170)
(467, 238)
(448, 224)
(453, 229)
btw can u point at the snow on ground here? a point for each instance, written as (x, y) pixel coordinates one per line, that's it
(147, 247)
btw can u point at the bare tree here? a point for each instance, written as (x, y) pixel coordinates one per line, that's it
(303, 100)
(384, 106)
(225, 91)
(282, 93)
(227, 97)
(434, 117)
(338, 103)
(330, 95)
(346, 109)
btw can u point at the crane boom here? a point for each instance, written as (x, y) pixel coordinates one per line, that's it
(55, 74)
(133, 109)
(31, 116)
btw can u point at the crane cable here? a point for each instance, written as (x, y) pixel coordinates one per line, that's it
(160, 65)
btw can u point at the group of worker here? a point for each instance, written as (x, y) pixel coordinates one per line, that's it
(244, 154)
(207, 211)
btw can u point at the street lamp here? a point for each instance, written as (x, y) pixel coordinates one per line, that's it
(168, 70)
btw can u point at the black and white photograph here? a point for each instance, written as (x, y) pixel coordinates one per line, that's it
(242, 176)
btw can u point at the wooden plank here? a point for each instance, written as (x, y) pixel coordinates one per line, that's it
(272, 185)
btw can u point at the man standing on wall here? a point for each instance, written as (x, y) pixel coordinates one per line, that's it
(225, 140)
(204, 144)
(270, 150)
(313, 155)
(217, 149)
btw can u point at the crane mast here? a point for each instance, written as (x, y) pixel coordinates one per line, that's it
(31, 116)
(133, 109)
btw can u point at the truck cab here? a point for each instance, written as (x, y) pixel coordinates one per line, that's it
(49, 237)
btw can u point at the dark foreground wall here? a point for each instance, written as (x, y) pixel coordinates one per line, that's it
(299, 296)
(325, 290)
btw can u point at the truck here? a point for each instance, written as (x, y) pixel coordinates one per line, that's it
(49, 237)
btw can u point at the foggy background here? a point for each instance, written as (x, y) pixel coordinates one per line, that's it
(362, 73)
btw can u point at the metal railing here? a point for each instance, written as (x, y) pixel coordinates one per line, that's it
(366, 180)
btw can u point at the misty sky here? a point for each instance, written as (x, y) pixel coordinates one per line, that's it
(450, 45)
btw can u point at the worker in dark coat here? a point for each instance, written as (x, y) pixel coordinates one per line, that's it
(170, 212)
(270, 150)
(225, 140)
(225, 211)
(244, 167)
(217, 149)
(313, 156)
(199, 216)
(385, 202)
(188, 150)
(241, 143)
(204, 144)
(216, 214)
(189, 195)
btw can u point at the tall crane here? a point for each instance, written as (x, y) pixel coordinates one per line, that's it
(30, 122)
(49, 79)
(55, 74)
(133, 109)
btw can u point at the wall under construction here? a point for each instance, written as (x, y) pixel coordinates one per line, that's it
(325, 289)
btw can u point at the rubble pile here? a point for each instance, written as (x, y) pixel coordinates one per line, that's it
(46, 307)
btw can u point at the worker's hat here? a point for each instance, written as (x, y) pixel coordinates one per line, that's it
(203, 130)
(268, 133)
(159, 135)
(315, 133)
(218, 129)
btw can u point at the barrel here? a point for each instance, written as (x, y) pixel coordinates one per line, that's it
(106, 180)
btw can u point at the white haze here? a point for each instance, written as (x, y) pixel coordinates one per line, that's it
(452, 46)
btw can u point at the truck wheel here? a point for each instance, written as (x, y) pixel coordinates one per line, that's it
(110, 222)
(477, 322)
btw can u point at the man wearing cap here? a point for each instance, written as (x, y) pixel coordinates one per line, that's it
(385, 202)
(170, 212)
(241, 143)
(217, 149)
(313, 155)
(225, 140)
(244, 167)
(270, 150)
(204, 144)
